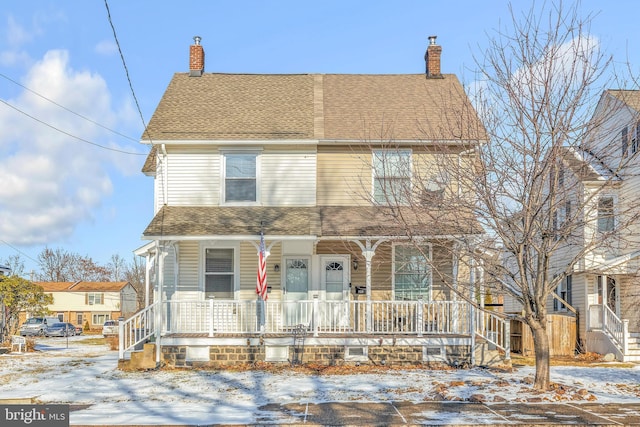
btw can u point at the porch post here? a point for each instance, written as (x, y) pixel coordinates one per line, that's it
(625, 337)
(454, 273)
(368, 255)
(472, 311)
(159, 310)
(603, 282)
(420, 316)
(147, 280)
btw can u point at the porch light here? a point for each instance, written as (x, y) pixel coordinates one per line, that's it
(276, 267)
(355, 264)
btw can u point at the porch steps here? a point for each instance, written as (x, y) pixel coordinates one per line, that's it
(140, 360)
(634, 347)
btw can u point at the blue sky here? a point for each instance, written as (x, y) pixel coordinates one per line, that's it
(59, 189)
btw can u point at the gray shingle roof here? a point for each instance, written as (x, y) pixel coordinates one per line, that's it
(327, 221)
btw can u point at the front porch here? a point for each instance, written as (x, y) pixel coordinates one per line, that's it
(361, 331)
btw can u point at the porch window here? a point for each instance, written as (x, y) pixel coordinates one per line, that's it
(391, 176)
(219, 274)
(412, 273)
(240, 177)
(606, 214)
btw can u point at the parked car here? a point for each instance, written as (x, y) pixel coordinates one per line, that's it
(60, 329)
(110, 328)
(37, 325)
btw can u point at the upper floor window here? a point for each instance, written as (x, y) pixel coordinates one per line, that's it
(635, 139)
(95, 298)
(624, 137)
(240, 177)
(606, 214)
(391, 176)
(219, 273)
(411, 273)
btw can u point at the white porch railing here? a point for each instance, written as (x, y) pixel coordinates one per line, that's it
(603, 318)
(136, 329)
(213, 317)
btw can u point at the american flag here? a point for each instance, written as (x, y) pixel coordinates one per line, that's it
(261, 286)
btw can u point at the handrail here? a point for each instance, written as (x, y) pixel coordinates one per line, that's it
(495, 328)
(136, 329)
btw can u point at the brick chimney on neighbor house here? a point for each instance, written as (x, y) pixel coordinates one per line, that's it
(196, 58)
(432, 58)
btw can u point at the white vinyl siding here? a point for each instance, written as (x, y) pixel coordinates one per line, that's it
(288, 178)
(194, 176)
(188, 274)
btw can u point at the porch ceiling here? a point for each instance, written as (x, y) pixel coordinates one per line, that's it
(327, 221)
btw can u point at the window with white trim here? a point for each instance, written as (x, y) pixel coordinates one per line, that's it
(240, 177)
(411, 272)
(391, 176)
(219, 273)
(95, 298)
(624, 139)
(100, 318)
(606, 214)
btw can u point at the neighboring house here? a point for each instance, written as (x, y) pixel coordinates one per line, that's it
(604, 288)
(91, 303)
(305, 159)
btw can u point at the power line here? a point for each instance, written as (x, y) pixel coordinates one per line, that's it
(67, 109)
(126, 70)
(20, 252)
(69, 134)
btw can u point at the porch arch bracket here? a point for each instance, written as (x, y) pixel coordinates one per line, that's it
(368, 251)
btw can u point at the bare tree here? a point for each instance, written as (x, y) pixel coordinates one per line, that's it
(61, 266)
(134, 273)
(118, 267)
(15, 264)
(538, 177)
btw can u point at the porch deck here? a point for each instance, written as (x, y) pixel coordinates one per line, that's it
(226, 321)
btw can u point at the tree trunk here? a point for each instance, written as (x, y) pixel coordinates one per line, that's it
(541, 349)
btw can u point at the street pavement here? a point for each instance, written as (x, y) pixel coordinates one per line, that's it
(444, 413)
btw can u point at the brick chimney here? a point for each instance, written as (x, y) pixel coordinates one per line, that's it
(196, 58)
(432, 58)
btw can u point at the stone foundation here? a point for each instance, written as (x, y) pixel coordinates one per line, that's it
(221, 356)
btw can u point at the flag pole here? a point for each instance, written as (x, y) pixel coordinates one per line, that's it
(261, 284)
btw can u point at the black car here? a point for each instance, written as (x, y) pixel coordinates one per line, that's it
(60, 329)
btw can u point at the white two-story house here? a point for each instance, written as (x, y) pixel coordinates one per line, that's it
(306, 161)
(602, 178)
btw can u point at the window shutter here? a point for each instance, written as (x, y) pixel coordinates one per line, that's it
(86, 298)
(102, 298)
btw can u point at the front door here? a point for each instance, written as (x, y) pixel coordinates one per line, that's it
(334, 285)
(296, 289)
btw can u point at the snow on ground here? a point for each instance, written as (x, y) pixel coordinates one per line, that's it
(87, 375)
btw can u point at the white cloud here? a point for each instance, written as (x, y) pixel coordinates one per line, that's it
(51, 182)
(106, 47)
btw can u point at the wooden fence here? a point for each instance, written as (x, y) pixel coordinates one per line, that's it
(561, 329)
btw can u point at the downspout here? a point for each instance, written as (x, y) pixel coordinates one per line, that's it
(165, 173)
